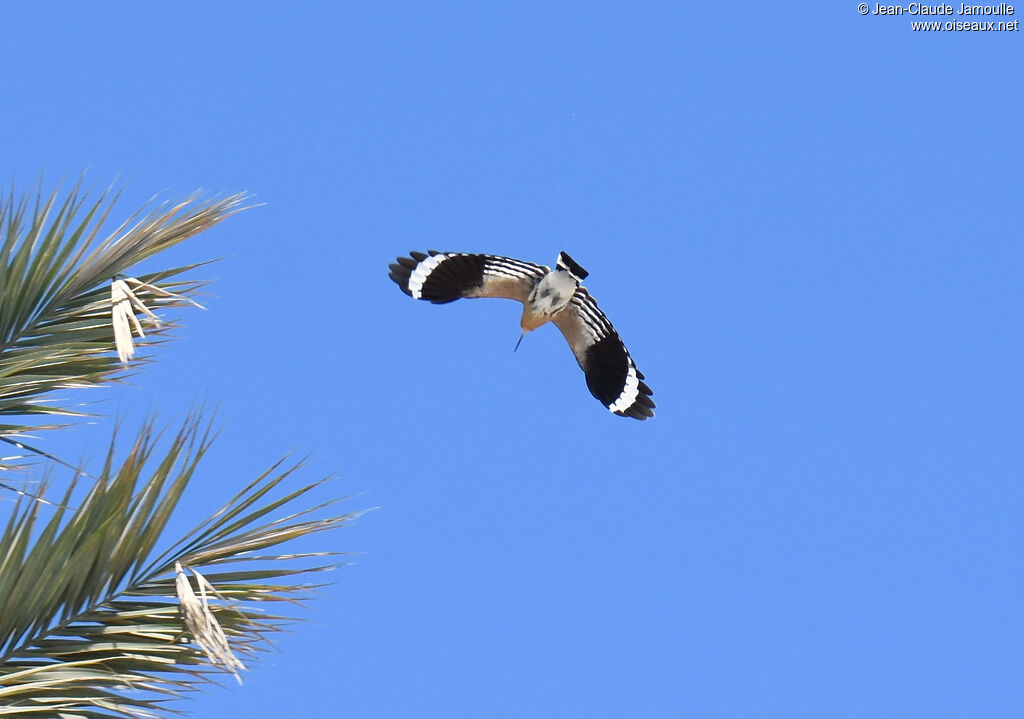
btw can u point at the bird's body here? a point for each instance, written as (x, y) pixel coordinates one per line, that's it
(547, 296)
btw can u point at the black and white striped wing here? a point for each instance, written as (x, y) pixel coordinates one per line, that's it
(612, 377)
(441, 277)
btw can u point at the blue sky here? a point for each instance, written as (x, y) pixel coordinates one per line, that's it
(807, 226)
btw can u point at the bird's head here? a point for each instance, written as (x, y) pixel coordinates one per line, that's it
(532, 319)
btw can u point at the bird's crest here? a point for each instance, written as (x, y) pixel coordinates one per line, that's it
(570, 265)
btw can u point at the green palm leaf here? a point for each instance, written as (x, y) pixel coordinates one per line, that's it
(91, 623)
(56, 275)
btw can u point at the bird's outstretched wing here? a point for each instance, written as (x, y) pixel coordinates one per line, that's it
(611, 375)
(441, 277)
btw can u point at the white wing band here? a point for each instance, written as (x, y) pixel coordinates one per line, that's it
(419, 275)
(629, 393)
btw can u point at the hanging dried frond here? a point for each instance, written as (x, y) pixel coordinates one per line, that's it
(123, 299)
(202, 623)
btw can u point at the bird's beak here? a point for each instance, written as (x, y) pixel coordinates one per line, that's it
(520, 340)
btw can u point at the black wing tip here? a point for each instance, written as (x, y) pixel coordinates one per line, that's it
(400, 273)
(640, 413)
(401, 281)
(415, 257)
(567, 263)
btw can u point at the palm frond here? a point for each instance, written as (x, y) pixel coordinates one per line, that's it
(57, 316)
(93, 619)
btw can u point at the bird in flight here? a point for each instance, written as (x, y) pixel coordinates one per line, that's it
(547, 296)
